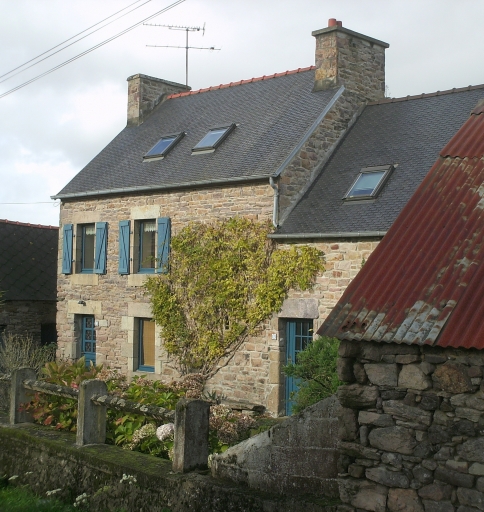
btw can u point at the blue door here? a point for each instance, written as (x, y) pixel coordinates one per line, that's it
(298, 334)
(88, 344)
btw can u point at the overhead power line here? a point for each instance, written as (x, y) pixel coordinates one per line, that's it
(119, 34)
(67, 40)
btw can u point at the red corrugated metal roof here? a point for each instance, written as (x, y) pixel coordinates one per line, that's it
(425, 281)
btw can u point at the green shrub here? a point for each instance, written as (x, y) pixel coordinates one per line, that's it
(316, 368)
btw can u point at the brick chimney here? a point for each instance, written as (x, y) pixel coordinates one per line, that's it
(145, 93)
(344, 57)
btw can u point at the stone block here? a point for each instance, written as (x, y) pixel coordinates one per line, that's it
(357, 396)
(458, 465)
(463, 428)
(453, 378)
(299, 308)
(477, 469)
(407, 358)
(476, 401)
(468, 413)
(412, 377)
(386, 477)
(344, 369)
(375, 419)
(405, 412)
(91, 418)
(393, 439)
(438, 434)
(422, 475)
(363, 494)
(358, 451)
(382, 374)
(471, 498)
(435, 492)
(392, 459)
(359, 373)
(404, 500)
(356, 471)
(429, 402)
(472, 450)
(348, 349)
(438, 506)
(348, 426)
(454, 478)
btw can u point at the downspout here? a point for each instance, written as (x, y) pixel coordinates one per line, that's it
(275, 211)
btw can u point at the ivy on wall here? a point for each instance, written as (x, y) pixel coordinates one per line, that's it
(225, 279)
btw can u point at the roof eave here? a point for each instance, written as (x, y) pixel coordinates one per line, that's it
(339, 234)
(151, 188)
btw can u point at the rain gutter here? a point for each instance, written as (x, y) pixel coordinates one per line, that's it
(149, 188)
(340, 234)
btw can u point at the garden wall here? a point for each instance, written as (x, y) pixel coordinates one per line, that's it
(414, 436)
(47, 460)
(300, 455)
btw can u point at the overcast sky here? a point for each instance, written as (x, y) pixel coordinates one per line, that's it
(53, 127)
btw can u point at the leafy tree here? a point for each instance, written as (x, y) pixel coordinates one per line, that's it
(225, 279)
(316, 367)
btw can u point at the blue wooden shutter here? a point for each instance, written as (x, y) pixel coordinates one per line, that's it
(67, 249)
(124, 228)
(100, 247)
(164, 235)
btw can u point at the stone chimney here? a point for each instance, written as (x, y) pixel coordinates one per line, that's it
(344, 57)
(145, 93)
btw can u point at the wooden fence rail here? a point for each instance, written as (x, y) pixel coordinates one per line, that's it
(191, 417)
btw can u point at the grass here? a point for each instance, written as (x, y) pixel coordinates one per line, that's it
(22, 499)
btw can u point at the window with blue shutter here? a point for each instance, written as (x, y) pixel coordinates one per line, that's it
(164, 235)
(67, 249)
(100, 248)
(124, 228)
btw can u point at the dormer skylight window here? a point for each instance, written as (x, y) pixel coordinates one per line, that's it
(369, 182)
(213, 139)
(163, 147)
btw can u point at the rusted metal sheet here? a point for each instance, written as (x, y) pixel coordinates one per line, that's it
(424, 284)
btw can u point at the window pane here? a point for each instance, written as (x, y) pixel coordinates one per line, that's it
(147, 343)
(161, 146)
(147, 244)
(88, 237)
(366, 184)
(211, 138)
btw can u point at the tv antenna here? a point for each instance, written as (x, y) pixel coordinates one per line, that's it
(187, 30)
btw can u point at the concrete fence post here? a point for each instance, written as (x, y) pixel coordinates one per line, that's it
(91, 418)
(191, 435)
(19, 395)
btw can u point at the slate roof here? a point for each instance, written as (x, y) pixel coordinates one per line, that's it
(424, 282)
(28, 261)
(407, 132)
(272, 115)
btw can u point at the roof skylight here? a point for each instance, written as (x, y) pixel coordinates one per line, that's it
(213, 139)
(369, 182)
(163, 146)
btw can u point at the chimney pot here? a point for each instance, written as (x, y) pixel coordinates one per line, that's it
(332, 22)
(339, 23)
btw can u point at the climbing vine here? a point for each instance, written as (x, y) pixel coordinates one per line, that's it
(225, 279)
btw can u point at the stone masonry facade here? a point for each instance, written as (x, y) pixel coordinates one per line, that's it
(116, 300)
(412, 428)
(27, 317)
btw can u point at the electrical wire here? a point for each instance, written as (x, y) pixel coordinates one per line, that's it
(74, 42)
(174, 4)
(67, 40)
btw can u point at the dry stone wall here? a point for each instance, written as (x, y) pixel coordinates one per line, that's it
(412, 428)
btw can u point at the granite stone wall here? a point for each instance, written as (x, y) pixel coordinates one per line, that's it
(298, 456)
(412, 428)
(21, 317)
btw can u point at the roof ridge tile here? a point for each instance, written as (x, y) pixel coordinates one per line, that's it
(240, 82)
(42, 226)
(427, 95)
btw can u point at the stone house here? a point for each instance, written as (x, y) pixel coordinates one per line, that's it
(411, 351)
(318, 150)
(28, 273)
